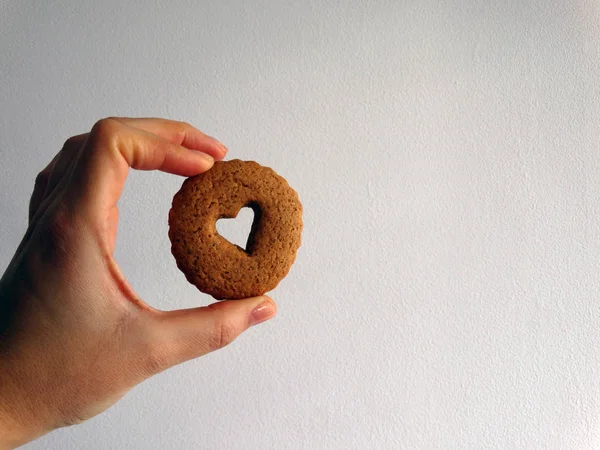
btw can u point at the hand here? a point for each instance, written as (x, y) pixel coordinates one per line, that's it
(74, 336)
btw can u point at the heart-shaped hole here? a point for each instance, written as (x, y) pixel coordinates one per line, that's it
(238, 230)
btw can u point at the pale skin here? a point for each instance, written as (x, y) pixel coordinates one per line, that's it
(74, 335)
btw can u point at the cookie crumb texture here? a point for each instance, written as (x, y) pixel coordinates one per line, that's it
(212, 263)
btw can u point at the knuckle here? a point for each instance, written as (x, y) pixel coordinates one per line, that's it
(42, 178)
(59, 227)
(182, 129)
(223, 333)
(105, 130)
(184, 125)
(56, 238)
(58, 221)
(72, 141)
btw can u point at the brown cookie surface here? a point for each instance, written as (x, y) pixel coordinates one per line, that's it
(212, 263)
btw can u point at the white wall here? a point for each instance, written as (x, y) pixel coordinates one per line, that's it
(448, 157)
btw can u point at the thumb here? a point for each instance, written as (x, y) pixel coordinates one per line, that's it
(178, 336)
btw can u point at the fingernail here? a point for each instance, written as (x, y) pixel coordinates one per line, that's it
(222, 148)
(262, 312)
(219, 144)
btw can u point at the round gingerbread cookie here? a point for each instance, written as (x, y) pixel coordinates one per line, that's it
(212, 263)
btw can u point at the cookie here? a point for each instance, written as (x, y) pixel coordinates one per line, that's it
(212, 263)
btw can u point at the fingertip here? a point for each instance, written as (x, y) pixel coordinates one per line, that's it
(206, 157)
(203, 161)
(220, 149)
(223, 151)
(264, 310)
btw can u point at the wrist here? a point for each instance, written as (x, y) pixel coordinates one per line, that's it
(13, 428)
(19, 420)
(17, 425)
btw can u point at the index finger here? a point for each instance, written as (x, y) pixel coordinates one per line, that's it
(114, 146)
(180, 133)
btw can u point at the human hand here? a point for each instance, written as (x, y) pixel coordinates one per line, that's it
(74, 336)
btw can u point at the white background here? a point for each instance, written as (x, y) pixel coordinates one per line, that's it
(446, 295)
